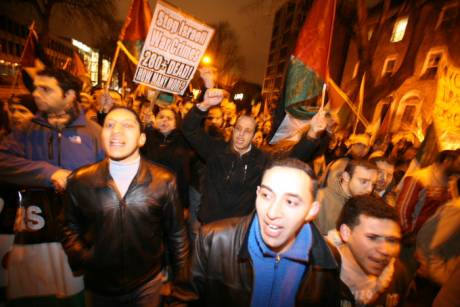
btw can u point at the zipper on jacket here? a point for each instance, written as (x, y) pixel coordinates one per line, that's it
(50, 147)
(59, 146)
(122, 208)
(277, 261)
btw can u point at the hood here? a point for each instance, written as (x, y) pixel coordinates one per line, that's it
(332, 176)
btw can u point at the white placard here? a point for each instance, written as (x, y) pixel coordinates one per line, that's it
(172, 50)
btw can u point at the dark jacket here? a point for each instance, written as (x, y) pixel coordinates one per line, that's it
(230, 180)
(119, 243)
(174, 152)
(222, 273)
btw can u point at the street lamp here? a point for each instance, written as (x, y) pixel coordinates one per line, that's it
(206, 60)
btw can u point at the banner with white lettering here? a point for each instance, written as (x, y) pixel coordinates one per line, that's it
(36, 218)
(172, 50)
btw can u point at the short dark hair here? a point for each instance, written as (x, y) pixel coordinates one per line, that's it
(368, 205)
(353, 164)
(138, 119)
(177, 117)
(65, 79)
(297, 164)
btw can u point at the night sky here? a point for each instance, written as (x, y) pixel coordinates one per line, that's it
(251, 20)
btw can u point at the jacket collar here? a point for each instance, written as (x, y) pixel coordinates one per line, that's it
(102, 177)
(321, 256)
(80, 121)
(251, 154)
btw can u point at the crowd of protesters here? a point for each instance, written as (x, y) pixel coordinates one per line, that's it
(146, 201)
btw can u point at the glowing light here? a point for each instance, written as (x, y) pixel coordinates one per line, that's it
(206, 60)
(81, 46)
(238, 96)
(195, 93)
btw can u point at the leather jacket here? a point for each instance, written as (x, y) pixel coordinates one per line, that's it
(119, 243)
(222, 273)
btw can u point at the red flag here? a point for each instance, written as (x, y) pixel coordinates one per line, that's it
(137, 22)
(33, 50)
(78, 67)
(33, 58)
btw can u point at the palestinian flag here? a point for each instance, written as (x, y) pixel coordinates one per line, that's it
(307, 71)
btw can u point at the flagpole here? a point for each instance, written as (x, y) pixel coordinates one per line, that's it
(323, 96)
(66, 64)
(360, 102)
(112, 68)
(330, 39)
(348, 101)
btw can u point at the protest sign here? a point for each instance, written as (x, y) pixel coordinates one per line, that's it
(172, 50)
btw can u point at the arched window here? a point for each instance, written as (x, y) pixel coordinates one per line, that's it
(408, 111)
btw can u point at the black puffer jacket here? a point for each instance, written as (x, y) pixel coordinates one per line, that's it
(222, 273)
(119, 243)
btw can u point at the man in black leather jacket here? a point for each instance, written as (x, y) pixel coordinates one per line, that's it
(275, 257)
(122, 214)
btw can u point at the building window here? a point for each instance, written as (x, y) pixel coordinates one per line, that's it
(286, 38)
(281, 67)
(399, 29)
(299, 20)
(433, 58)
(278, 83)
(389, 66)
(269, 84)
(448, 15)
(275, 30)
(355, 70)
(407, 119)
(283, 53)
